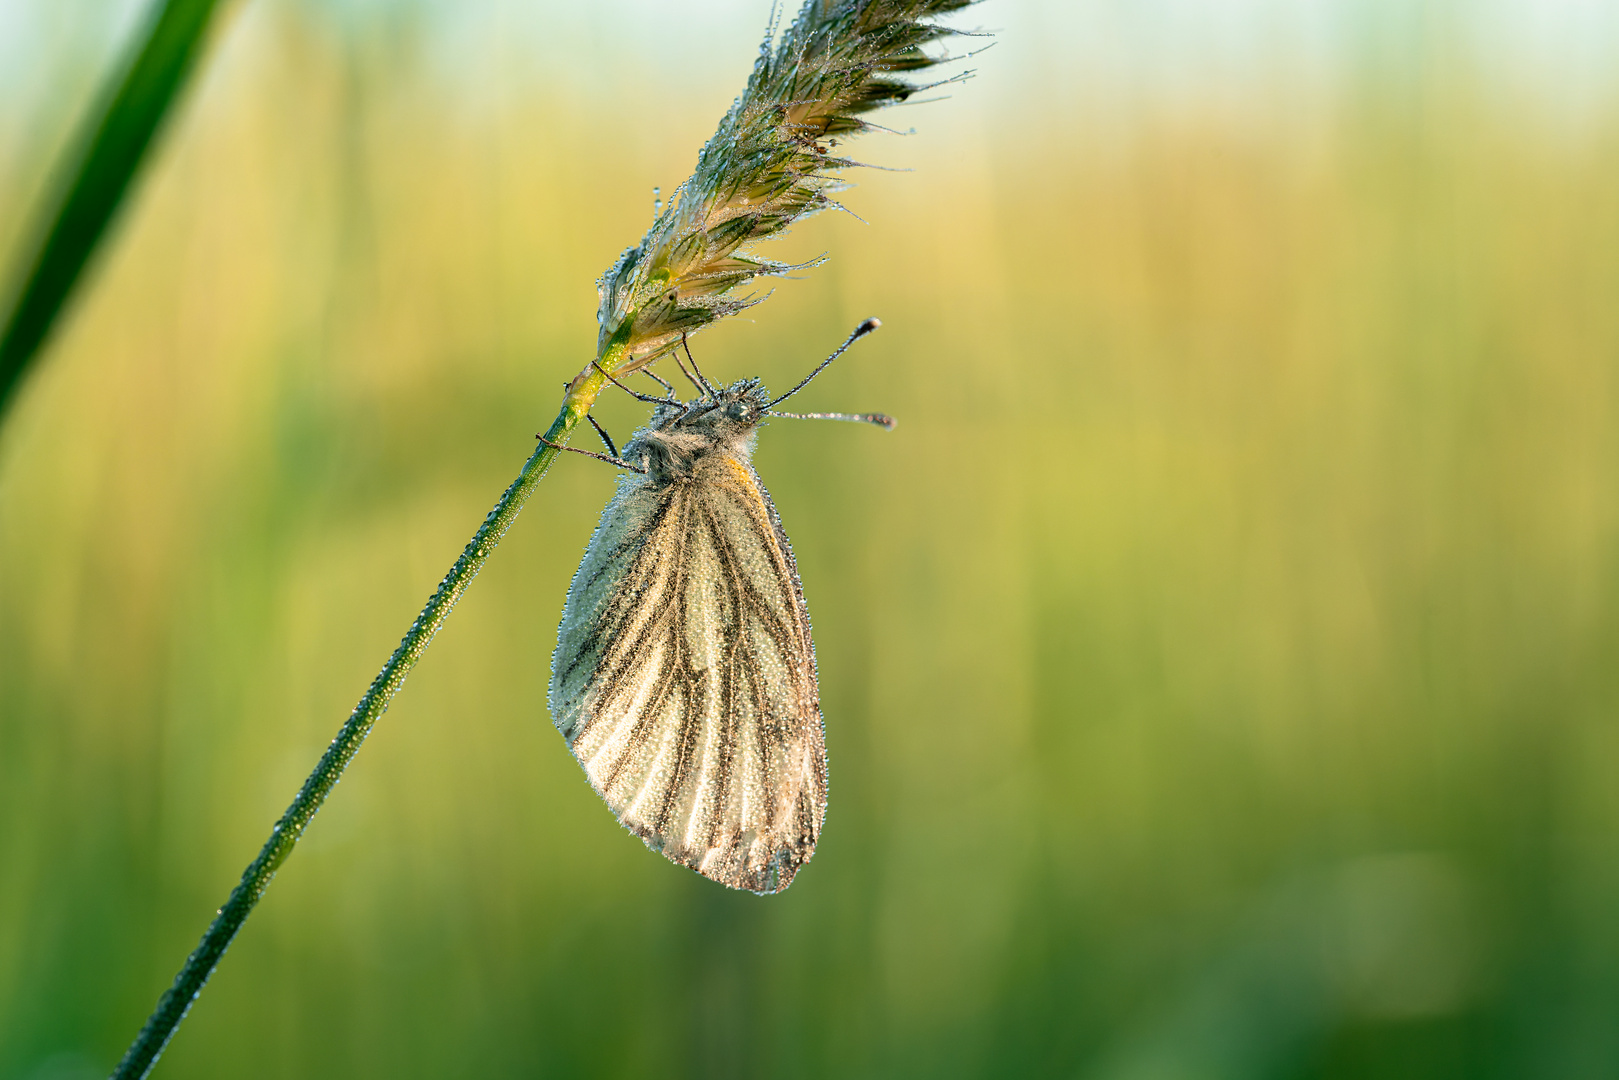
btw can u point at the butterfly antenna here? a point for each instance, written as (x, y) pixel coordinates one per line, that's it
(627, 390)
(859, 332)
(882, 420)
(706, 385)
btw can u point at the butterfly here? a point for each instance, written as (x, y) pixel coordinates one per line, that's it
(684, 676)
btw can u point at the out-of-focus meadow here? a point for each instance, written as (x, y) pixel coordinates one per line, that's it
(1218, 661)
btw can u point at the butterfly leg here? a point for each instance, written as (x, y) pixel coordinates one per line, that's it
(706, 386)
(669, 389)
(633, 393)
(620, 462)
(606, 438)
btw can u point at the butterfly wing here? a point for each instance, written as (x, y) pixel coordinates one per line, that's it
(684, 677)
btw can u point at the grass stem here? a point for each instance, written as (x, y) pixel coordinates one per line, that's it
(176, 1000)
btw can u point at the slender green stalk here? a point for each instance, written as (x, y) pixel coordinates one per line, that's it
(176, 1001)
(109, 151)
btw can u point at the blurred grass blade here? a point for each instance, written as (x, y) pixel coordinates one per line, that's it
(88, 191)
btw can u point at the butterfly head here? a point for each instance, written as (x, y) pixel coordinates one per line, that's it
(680, 433)
(732, 412)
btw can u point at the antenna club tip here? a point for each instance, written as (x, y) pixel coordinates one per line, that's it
(884, 421)
(867, 327)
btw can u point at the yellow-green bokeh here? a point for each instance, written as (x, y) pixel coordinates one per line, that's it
(1218, 661)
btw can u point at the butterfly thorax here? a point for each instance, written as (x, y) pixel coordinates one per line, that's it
(682, 434)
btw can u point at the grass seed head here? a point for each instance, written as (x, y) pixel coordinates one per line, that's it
(772, 162)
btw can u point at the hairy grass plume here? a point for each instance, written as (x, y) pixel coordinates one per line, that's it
(773, 161)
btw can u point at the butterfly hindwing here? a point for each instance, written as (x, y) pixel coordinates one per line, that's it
(684, 677)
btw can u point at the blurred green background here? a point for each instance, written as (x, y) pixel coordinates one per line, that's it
(1218, 661)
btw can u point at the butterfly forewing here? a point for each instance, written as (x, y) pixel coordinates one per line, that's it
(684, 677)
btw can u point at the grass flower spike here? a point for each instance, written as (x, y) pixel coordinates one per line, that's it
(772, 162)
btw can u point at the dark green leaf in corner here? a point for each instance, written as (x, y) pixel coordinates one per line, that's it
(91, 182)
